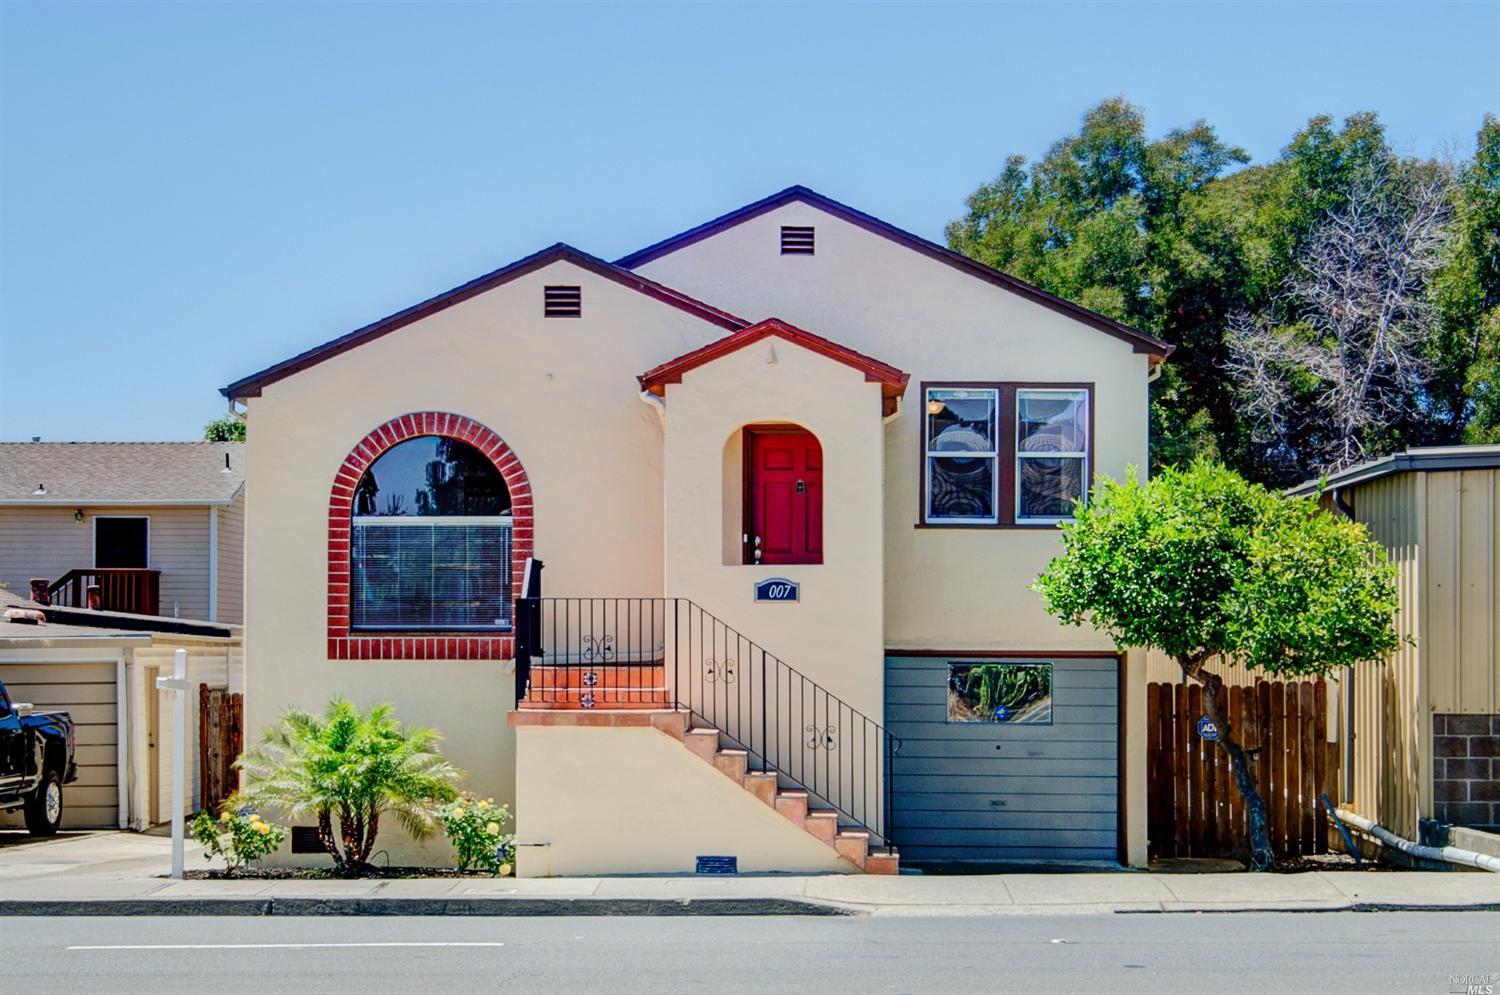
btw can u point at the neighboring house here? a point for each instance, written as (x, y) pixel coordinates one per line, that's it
(101, 667)
(158, 526)
(795, 470)
(1421, 731)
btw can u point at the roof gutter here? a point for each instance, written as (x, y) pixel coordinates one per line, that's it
(95, 502)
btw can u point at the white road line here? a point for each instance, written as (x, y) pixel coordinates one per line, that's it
(276, 946)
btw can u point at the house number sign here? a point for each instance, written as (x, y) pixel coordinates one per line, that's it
(777, 589)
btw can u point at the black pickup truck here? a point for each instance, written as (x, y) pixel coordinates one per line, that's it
(36, 760)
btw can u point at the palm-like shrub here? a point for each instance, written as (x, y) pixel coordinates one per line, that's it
(354, 766)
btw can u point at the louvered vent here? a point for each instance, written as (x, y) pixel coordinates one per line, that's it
(796, 240)
(562, 302)
(305, 840)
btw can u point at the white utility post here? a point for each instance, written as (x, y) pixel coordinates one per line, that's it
(177, 684)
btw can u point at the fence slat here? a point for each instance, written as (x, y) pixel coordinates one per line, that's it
(1308, 807)
(1293, 751)
(1180, 816)
(1155, 757)
(1320, 765)
(1238, 721)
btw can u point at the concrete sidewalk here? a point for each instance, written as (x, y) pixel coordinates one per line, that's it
(124, 873)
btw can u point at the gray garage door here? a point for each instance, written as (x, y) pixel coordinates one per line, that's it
(1004, 766)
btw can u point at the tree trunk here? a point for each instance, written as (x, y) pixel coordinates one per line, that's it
(372, 826)
(1261, 856)
(325, 836)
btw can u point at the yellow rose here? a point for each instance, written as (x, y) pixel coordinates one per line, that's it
(490, 800)
(262, 828)
(458, 813)
(493, 829)
(223, 816)
(505, 870)
(505, 805)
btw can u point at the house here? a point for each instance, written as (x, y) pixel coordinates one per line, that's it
(101, 667)
(1420, 731)
(158, 527)
(791, 472)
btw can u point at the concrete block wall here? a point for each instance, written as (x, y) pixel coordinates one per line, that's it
(1466, 770)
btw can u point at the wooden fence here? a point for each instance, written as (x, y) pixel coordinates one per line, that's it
(1193, 806)
(221, 737)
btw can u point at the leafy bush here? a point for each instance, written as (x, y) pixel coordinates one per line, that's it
(237, 836)
(353, 764)
(476, 828)
(226, 429)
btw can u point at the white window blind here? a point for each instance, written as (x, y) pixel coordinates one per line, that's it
(424, 574)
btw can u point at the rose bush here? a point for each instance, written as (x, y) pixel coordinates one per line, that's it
(237, 835)
(476, 829)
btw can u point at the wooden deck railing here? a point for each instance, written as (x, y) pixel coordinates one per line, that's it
(119, 589)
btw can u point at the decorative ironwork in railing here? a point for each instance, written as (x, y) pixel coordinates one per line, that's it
(671, 652)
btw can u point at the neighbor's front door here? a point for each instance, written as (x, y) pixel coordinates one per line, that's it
(784, 495)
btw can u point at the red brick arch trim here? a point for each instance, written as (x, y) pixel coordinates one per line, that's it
(344, 645)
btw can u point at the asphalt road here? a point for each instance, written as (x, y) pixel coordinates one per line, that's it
(1400, 952)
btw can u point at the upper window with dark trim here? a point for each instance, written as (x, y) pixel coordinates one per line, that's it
(797, 240)
(562, 302)
(1005, 454)
(430, 541)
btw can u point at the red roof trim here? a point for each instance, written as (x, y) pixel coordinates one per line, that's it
(251, 386)
(892, 381)
(1150, 345)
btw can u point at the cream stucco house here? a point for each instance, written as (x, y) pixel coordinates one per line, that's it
(790, 474)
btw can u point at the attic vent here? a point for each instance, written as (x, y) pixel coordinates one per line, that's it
(305, 840)
(796, 240)
(562, 302)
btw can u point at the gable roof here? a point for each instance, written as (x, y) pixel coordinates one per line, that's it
(120, 473)
(1430, 458)
(1150, 345)
(892, 381)
(251, 386)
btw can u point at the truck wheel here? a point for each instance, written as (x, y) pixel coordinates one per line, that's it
(44, 809)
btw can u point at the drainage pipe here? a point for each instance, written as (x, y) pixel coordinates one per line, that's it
(1445, 854)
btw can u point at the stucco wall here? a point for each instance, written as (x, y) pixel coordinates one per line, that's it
(833, 634)
(612, 801)
(562, 394)
(945, 588)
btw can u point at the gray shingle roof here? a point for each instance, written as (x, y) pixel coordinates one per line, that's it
(84, 473)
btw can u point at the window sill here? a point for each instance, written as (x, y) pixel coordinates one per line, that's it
(422, 633)
(993, 526)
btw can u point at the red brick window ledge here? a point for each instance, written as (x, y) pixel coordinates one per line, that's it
(344, 644)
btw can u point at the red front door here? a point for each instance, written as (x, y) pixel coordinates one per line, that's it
(784, 495)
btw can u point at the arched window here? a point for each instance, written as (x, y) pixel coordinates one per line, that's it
(430, 541)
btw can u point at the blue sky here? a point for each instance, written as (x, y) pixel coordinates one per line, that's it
(191, 192)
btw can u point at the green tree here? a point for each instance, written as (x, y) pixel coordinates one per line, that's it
(354, 766)
(1208, 567)
(1178, 235)
(1467, 293)
(226, 429)
(1126, 226)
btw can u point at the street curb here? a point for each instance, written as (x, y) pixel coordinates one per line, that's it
(1310, 909)
(423, 907)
